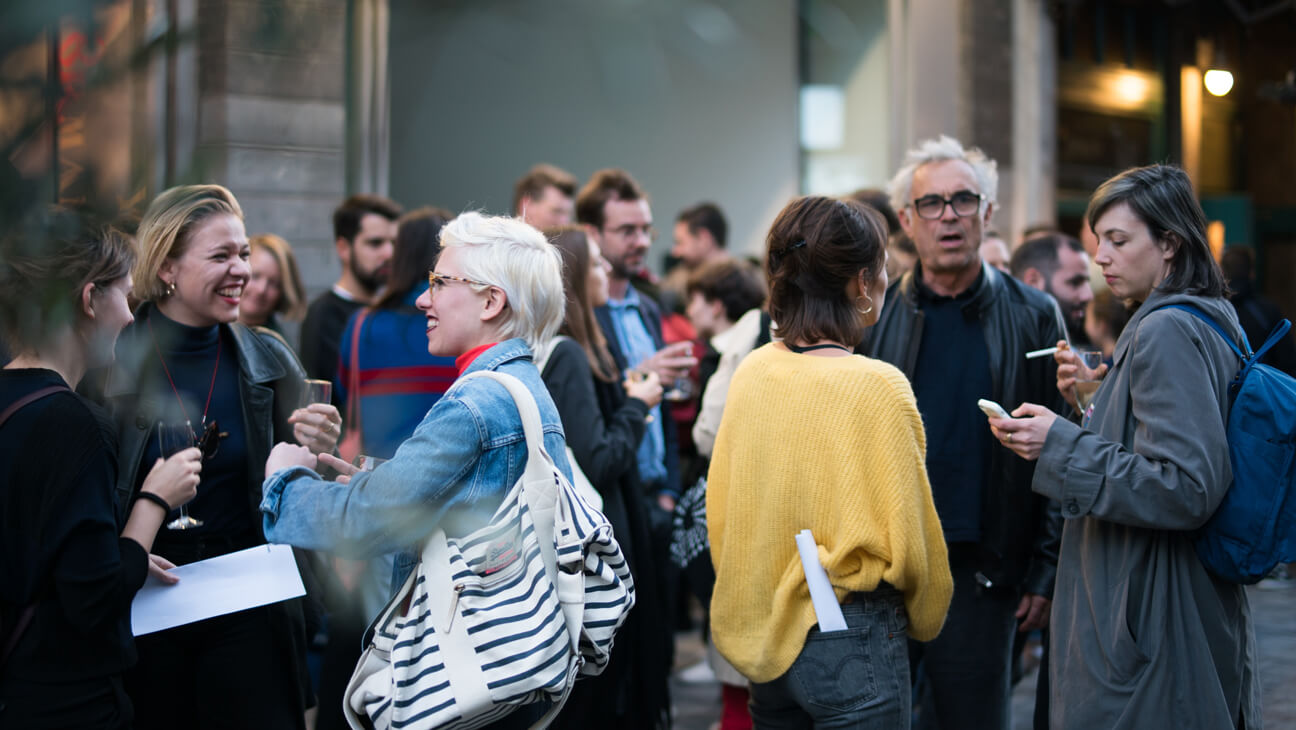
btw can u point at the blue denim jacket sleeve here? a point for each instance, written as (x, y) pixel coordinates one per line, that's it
(389, 508)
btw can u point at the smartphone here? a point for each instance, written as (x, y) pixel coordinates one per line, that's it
(992, 409)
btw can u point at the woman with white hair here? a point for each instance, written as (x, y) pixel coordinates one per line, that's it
(496, 292)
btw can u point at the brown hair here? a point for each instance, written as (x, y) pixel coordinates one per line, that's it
(164, 231)
(532, 185)
(815, 248)
(1162, 197)
(45, 262)
(735, 284)
(579, 322)
(292, 301)
(346, 218)
(604, 185)
(418, 243)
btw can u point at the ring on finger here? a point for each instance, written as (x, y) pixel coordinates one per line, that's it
(1008, 438)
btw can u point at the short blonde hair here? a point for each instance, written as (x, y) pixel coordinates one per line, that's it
(164, 231)
(292, 300)
(512, 255)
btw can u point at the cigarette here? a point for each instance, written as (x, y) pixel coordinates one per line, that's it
(1041, 353)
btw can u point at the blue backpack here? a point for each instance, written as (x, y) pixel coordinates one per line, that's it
(1254, 528)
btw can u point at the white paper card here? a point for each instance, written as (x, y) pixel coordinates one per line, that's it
(235, 582)
(821, 591)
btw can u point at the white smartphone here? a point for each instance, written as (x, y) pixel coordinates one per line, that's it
(992, 409)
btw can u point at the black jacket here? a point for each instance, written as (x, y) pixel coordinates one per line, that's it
(1020, 529)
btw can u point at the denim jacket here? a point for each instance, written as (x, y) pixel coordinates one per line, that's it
(453, 472)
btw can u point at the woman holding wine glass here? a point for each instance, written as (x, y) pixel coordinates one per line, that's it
(71, 567)
(187, 371)
(1143, 635)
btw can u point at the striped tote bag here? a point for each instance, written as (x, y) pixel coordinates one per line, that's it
(507, 616)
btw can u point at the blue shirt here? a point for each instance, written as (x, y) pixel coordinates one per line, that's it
(637, 345)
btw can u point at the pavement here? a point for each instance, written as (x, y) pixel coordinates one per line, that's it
(697, 705)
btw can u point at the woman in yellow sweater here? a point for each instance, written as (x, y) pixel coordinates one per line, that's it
(816, 438)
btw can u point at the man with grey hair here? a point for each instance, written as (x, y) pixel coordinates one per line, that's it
(960, 330)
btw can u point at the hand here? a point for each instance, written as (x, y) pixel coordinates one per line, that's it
(176, 478)
(1033, 612)
(317, 426)
(158, 567)
(344, 470)
(670, 362)
(647, 389)
(285, 455)
(1068, 367)
(1026, 431)
(666, 502)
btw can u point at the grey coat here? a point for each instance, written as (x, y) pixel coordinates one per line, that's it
(1142, 635)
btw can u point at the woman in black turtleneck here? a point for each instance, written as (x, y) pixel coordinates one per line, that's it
(70, 566)
(187, 365)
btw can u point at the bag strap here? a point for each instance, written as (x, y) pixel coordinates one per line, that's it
(1209, 320)
(29, 611)
(353, 377)
(543, 360)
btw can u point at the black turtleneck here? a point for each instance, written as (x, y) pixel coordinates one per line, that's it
(190, 354)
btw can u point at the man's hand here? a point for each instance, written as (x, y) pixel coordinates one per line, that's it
(1033, 612)
(670, 362)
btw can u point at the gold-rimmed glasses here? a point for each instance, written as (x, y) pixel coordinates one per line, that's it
(437, 280)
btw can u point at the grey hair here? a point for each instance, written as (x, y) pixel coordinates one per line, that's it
(939, 150)
(508, 253)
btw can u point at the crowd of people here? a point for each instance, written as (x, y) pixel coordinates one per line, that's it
(153, 414)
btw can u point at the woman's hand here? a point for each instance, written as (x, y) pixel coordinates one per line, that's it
(176, 478)
(317, 427)
(1026, 431)
(286, 455)
(158, 567)
(1069, 367)
(345, 471)
(647, 389)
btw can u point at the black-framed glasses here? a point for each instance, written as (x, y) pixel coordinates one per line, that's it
(436, 281)
(964, 203)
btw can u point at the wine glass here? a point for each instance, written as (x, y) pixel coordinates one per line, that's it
(316, 391)
(171, 441)
(681, 390)
(1087, 377)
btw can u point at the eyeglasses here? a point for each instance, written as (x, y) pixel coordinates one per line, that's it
(629, 230)
(964, 203)
(436, 281)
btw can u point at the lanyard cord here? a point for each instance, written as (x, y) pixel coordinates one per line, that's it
(167, 371)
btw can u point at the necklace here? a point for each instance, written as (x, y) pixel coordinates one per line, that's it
(167, 371)
(826, 346)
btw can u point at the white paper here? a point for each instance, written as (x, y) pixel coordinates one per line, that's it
(821, 591)
(234, 582)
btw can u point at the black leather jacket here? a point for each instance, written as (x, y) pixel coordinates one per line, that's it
(1020, 529)
(270, 382)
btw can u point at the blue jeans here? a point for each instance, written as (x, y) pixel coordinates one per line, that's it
(857, 678)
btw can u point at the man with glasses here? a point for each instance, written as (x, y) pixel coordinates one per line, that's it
(614, 212)
(960, 330)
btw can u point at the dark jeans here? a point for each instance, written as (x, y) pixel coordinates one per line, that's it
(226, 672)
(857, 678)
(969, 665)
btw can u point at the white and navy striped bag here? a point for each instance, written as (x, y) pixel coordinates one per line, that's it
(505, 617)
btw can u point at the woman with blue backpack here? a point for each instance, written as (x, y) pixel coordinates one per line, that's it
(1144, 634)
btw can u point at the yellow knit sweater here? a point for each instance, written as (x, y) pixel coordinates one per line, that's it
(835, 445)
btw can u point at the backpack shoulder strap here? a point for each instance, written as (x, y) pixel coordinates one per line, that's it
(28, 399)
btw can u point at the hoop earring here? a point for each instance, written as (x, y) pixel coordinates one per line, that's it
(866, 298)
